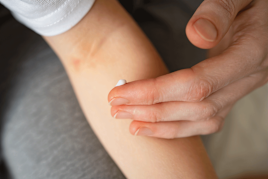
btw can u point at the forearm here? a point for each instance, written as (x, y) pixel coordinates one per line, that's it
(107, 46)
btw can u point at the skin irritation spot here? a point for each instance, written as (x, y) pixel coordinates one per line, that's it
(76, 63)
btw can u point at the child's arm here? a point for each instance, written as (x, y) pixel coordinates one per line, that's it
(102, 48)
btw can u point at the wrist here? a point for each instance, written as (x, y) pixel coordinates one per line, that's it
(86, 38)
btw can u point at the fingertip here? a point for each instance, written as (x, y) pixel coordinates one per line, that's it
(114, 110)
(113, 91)
(134, 127)
(206, 29)
(111, 95)
(196, 39)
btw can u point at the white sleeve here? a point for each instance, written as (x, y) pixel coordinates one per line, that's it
(48, 17)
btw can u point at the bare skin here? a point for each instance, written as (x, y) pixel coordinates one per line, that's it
(107, 46)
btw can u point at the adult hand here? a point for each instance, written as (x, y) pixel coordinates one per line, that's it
(195, 101)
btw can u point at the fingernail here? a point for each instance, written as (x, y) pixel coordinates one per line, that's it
(123, 115)
(206, 29)
(121, 82)
(144, 131)
(118, 101)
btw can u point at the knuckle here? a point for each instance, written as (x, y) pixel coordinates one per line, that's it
(155, 114)
(212, 127)
(153, 117)
(253, 48)
(208, 110)
(228, 6)
(199, 90)
(257, 52)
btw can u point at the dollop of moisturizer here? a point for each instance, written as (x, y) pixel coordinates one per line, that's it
(121, 82)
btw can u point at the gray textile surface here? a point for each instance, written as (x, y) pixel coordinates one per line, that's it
(44, 134)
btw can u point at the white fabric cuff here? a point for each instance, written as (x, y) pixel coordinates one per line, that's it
(49, 18)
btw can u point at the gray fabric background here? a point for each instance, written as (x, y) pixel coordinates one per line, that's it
(44, 132)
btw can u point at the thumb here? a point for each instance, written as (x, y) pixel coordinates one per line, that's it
(212, 20)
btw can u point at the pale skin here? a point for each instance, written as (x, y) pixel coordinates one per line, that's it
(105, 46)
(195, 101)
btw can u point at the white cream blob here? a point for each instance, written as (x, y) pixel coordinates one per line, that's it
(121, 82)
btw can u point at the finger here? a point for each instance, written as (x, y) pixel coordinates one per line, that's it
(212, 20)
(171, 87)
(169, 111)
(192, 111)
(171, 130)
(228, 95)
(180, 129)
(196, 83)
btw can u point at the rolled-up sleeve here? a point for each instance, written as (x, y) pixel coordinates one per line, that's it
(49, 17)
